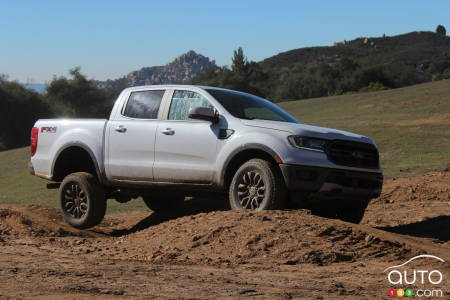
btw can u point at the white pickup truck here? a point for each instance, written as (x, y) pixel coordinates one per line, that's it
(165, 142)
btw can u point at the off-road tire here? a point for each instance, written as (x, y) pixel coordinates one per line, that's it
(163, 203)
(82, 200)
(270, 194)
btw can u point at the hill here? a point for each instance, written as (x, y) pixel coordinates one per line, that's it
(181, 69)
(420, 47)
(363, 64)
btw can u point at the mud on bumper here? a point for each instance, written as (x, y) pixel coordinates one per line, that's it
(332, 183)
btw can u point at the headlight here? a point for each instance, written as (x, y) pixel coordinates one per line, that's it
(307, 143)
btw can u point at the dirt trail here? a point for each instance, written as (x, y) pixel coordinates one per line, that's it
(197, 252)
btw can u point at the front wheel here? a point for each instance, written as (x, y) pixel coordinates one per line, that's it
(82, 200)
(257, 185)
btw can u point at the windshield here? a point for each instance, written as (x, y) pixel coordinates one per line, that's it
(247, 106)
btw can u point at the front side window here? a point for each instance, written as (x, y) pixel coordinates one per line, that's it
(144, 104)
(183, 101)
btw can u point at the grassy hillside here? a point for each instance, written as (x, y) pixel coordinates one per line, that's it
(411, 126)
(362, 64)
(417, 47)
(17, 186)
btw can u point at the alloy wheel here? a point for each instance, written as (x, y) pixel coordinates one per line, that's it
(251, 190)
(75, 201)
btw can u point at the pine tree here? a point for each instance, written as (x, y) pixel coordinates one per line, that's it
(441, 30)
(240, 62)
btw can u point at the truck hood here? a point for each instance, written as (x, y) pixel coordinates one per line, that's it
(308, 130)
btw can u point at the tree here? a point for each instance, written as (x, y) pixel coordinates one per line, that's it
(78, 97)
(19, 110)
(3, 78)
(440, 30)
(239, 62)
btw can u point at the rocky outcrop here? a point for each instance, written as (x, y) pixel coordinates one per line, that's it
(180, 70)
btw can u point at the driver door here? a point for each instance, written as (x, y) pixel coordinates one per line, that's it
(185, 149)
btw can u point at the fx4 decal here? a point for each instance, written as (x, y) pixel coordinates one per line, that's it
(48, 129)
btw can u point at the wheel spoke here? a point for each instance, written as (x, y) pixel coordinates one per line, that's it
(250, 177)
(83, 208)
(258, 180)
(69, 198)
(82, 195)
(261, 191)
(255, 203)
(242, 187)
(243, 194)
(245, 179)
(245, 201)
(69, 207)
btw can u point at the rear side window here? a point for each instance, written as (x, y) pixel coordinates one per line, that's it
(144, 104)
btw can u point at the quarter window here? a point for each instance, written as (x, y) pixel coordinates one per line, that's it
(183, 101)
(144, 104)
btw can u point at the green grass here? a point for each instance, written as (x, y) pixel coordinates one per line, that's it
(410, 125)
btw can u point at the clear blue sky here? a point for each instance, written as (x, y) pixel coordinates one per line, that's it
(108, 39)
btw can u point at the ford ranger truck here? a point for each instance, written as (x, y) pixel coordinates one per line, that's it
(166, 142)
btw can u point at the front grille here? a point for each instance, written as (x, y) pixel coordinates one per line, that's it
(353, 154)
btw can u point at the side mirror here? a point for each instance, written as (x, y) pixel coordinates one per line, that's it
(204, 113)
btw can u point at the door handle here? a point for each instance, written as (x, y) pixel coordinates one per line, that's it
(168, 131)
(120, 128)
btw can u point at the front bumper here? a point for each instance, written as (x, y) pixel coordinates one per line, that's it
(332, 183)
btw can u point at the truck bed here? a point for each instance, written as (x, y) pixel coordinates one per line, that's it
(56, 135)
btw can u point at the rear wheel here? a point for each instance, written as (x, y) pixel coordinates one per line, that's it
(163, 203)
(257, 185)
(82, 200)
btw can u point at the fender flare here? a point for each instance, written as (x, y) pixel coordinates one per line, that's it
(244, 147)
(98, 170)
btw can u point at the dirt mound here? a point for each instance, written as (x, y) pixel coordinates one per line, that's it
(416, 206)
(34, 221)
(274, 237)
(429, 187)
(411, 200)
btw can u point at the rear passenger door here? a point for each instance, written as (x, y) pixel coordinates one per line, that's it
(131, 137)
(185, 149)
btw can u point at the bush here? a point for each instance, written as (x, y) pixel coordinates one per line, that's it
(373, 87)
